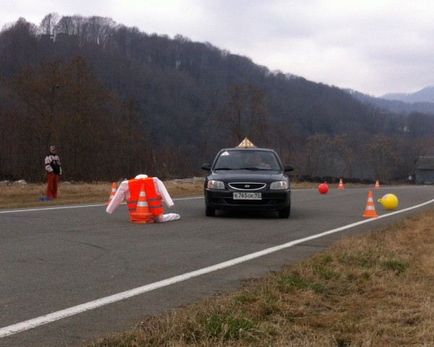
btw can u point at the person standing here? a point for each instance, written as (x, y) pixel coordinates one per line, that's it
(54, 170)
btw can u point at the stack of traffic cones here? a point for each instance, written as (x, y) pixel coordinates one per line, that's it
(142, 214)
(341, 184)
(370, 207)
(377, 184)
(112, 193)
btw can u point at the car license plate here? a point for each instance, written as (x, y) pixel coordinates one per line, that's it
(247, 196)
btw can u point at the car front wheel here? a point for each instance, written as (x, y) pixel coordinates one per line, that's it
(285, 213)
(209, 211)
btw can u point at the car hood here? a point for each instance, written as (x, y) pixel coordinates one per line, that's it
(246, 176)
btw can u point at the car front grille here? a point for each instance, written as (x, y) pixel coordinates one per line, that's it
(247, 186)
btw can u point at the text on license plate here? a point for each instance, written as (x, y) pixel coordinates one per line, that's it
(247, 196)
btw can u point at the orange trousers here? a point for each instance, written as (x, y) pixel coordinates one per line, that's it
(52, 181)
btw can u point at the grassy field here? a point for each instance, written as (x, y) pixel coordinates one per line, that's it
(15, 196)
(370, 290)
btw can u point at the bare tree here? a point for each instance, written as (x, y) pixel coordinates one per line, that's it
(245, 114)
(48, 24)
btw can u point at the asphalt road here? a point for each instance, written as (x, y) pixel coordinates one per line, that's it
(55, 259)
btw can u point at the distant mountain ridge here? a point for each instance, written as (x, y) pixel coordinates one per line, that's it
(395, 105)
(424, 95)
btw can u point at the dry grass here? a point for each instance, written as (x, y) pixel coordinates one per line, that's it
(371, 290)
(15, 196)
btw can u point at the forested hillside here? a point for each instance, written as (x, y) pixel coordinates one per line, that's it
(117, 101)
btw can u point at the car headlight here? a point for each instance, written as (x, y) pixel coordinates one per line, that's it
(279, 185)
(213, 184)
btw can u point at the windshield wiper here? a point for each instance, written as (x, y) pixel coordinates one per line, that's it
(253, 169)
(244, 168)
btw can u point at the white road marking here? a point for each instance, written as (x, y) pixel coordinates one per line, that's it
(76, 206)
(189, 198)
(50, 208)
(71, 311)
(177, 199)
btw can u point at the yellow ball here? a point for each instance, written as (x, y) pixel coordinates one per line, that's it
(389, 202)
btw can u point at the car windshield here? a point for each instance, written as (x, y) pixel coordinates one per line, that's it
(247, 160)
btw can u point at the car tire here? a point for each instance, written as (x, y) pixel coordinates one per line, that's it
(210, 212)
(285, 213)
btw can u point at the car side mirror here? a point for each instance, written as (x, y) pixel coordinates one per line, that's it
(206, 167)
(288, 168)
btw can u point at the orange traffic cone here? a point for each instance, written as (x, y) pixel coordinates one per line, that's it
(112, 193)
(370, 207)
(142, 214)
(341, 184)
(377, 184)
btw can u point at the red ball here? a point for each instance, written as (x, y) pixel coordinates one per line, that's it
(323, 188)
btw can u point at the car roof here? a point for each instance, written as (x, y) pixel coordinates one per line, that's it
(247, 149)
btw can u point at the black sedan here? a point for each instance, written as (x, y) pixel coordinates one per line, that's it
(251, 179)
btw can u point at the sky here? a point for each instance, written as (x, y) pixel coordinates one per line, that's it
(375, 47)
